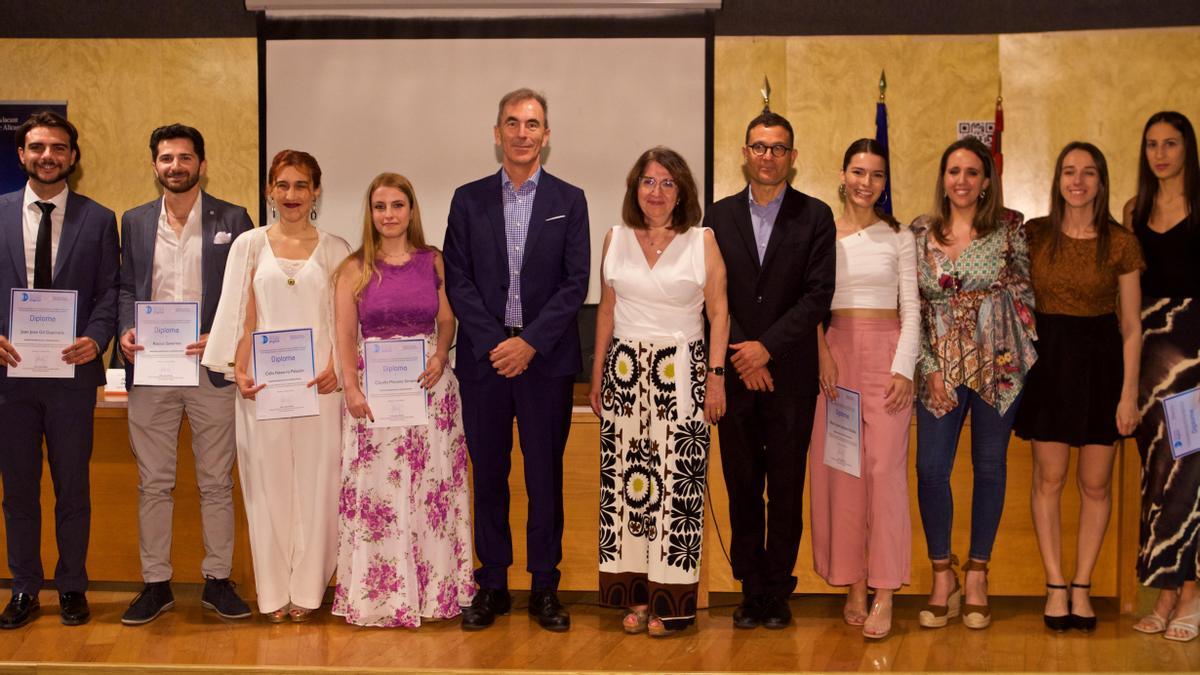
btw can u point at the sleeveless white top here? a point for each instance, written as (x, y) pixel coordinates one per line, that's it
(664, 303)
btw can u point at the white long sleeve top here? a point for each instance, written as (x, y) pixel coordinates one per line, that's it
(877, 269)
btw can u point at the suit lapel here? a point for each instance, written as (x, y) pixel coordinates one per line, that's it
(495, 212)
(208, 234)
(14, 231)
(149, 234)
(779, 231)
(72, 223)
(745, 228)
(542, 201)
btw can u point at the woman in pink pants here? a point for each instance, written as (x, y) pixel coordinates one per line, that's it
(860, 527)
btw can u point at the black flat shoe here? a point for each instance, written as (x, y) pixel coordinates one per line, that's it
(21, 609)
(487, 605)
(1085, 624)
(549, 612)
(748, 615)
(73, 608)
(1057, 623)
(776, 613)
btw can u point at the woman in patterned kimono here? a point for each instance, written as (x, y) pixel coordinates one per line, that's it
(404, 519)
(976, 348)
(1165, 216)
(656, 395)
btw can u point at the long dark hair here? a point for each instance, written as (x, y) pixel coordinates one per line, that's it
(1102, 220)
(1148, 182)
(989, 209)
(871, 147)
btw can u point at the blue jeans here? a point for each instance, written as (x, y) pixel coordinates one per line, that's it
(937, 443)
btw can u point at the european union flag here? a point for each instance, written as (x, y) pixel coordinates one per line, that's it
(881, 137)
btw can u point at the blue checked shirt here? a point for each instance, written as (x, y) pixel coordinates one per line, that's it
(763, 220)
(518, 208)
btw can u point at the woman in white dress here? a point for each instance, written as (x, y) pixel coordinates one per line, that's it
(279, 278)
(656, 395)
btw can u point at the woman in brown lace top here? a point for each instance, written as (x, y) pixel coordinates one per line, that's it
(1082, 391)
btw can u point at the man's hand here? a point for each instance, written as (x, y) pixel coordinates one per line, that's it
(197, 348)
(8, 353)
(759, 380)
(82, 351)
(511, 357)
(129, 345)
(749, 356)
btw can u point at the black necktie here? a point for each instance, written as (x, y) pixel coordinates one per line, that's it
(42, 269)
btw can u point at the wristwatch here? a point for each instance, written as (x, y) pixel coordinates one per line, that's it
(719, 371)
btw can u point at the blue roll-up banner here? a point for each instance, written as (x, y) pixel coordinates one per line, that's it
(12, 114)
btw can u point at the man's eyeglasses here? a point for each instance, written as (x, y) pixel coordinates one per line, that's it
(649, 182)
(777, 150)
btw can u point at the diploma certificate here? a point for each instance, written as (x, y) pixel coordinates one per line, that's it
(1182, 412)
(843, 426)
(283, 360)
(390, 372)
(41, 324)
(165, 329)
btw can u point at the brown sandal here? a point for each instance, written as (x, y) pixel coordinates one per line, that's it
(937, 616)
(977, 616)
(635, 620)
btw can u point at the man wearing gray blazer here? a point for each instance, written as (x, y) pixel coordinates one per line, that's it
(174, 250)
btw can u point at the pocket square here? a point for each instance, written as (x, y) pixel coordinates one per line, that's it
(558, 217)
(222, 237)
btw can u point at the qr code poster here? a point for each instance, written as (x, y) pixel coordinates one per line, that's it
(981, 129)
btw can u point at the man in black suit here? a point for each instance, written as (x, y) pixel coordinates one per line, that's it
(778, 246)
(55, 239)
(173, 249)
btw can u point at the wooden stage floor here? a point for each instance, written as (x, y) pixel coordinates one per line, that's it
(188, 639)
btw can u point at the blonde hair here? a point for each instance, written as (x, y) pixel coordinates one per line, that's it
(371, 241)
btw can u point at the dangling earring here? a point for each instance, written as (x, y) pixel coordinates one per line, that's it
(274, 214)
(842, 191)
(313, 214)
(982, 195)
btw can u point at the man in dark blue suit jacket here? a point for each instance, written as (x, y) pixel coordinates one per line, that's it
(517, 257)
(56, 239)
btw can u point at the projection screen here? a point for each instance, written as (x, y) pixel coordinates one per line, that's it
(426, 109)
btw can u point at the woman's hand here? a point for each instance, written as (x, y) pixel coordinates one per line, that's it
(1127, 415)
(434, 367)
(326, 380)
(594, 396)
(356, 404)
(898, 395)
(828, 374)
(939, 397)
(714, 398)
(246, 386)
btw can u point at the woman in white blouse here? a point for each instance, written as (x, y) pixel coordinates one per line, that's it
(860, 526)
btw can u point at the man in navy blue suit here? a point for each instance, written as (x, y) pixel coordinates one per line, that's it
(52, 238)
(517, 257)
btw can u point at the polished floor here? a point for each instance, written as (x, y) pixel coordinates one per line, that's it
(188, 636)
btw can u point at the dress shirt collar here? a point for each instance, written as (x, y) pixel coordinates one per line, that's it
(59, 200)
(508, 184)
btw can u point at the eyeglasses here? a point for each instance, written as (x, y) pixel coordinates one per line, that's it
(649, 182)
(777, 150)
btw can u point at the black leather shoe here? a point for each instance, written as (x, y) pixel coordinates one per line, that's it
(749, 613)
(549, 612)
(73, 608)
(1085, 624)
(487, 605)
(1057, 623)
(154, 599)
(776, 613)
(219, 595)
(22, 609)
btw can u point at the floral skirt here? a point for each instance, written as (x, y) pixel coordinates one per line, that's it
(653, 466)
(404, 530)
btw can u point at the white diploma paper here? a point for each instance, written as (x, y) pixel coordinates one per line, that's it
(1182, 412)
(41, 324)
(283, 360)
(843, 426)
(390, 372)
(165, 329)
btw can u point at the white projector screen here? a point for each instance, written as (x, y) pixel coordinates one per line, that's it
(426, 109)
